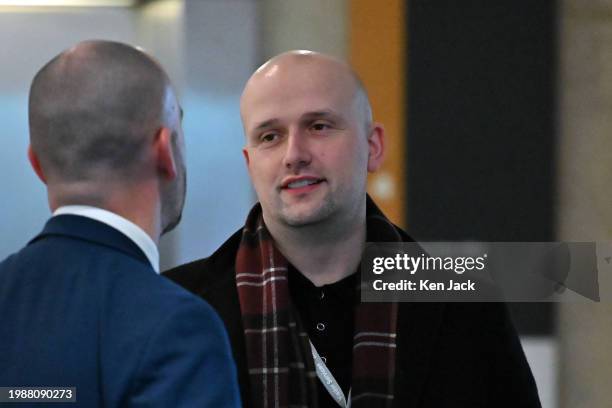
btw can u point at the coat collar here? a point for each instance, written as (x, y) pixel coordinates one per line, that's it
(87, 229)
(418, 323)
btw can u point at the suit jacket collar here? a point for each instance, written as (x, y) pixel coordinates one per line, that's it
(88, 229)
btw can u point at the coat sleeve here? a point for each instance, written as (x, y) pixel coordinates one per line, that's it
(187, 362)
(511, 381)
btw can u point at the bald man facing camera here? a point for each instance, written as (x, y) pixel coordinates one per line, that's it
(287, 283)
(81, 306)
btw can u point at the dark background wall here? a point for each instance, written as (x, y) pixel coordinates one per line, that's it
(481, 125)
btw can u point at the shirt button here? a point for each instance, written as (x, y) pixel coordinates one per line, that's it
(322, 295)
(320, 326)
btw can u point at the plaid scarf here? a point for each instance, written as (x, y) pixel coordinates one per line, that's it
(281, 367)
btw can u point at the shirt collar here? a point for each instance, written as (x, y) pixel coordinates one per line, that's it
(128, 228)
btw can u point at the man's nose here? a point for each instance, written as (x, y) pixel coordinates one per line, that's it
(298, 153)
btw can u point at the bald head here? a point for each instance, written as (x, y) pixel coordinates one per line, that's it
(92, 108)
(310, 141)
(310, 67)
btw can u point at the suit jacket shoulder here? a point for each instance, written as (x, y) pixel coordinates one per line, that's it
(81, 306)
(214, 280)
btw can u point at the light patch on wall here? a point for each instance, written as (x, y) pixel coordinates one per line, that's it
(383, 186)
(164, 9)
(68, 3)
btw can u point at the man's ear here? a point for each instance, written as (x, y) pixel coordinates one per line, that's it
(245, 153)
(164, 153)
(376, 147)
(35, 163)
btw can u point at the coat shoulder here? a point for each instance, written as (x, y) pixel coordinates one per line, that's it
(208, 273)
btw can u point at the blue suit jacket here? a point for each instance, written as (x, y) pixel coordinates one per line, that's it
(80, 306)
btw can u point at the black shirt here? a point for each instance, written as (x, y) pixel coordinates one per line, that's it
(327, 314)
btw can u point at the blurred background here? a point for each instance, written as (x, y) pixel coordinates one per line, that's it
(498, 117)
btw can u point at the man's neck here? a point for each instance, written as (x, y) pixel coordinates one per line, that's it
(324, 253)
(138, 204)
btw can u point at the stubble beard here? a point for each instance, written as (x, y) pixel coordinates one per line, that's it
(173, 201)
(321, 213)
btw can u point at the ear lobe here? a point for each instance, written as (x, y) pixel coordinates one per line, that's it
(376, 147)
(35, 163)
(166, 163)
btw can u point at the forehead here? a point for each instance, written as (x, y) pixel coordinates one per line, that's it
(286, 92)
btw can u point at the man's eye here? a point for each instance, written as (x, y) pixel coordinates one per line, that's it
(268, 137)
(319, 126)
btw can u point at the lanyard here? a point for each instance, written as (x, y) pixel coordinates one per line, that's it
(328, 380)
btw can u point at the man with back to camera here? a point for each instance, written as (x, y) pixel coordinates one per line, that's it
(288, 280)
(81, 305)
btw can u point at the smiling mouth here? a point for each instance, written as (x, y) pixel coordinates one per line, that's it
(302, 183)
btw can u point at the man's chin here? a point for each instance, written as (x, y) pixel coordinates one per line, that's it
(305, 217)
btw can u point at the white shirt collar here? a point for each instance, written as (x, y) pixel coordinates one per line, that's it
(128, 228)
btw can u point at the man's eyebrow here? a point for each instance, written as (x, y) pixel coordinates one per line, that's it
(326, 113)
(265, 124)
